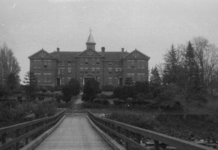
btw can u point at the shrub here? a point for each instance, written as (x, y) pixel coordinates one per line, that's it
(92, 105)
(102, 101)
(118, 102)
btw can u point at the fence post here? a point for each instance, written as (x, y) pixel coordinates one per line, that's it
(27, 130)
(3, 138)
(156, 145)
(138, 138)
(17, 135)
(127, 135)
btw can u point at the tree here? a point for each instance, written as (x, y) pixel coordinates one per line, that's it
(170, 71)
(91, 89)
(31, 84)
(207, 59)
(12, 81)
(155, 79)
(128, 81)
(142, 87)
(71, 89)
(8, 63)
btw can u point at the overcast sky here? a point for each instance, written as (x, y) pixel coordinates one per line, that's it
(150, 26)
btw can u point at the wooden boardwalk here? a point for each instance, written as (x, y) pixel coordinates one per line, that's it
(74, 133)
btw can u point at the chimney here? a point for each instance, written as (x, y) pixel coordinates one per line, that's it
(58, 49)
(103, 49)
(122, 49)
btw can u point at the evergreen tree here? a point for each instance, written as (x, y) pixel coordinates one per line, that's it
(171, 66)
(71, 89)
(31, 84)
(155, 77)
(12, 81)
(91, 89)
(128, 81)
(192, 70)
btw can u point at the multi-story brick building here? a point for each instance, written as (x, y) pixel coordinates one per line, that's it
(109, 68)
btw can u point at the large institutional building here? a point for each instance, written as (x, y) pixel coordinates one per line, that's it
(109, 68)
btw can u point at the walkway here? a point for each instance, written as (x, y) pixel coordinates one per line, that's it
(74, 133)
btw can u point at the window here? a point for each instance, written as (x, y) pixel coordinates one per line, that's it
(110, 70)
(36, 63)
(86, 70)
(81, 70)
(69, 64)
(117, 69)
(98, 61)
(131, 64)
(93, 61)
(141, 76)
(131, 75)
(81, 61)
(97, 70)
(81, 80)
(86, 61)
(45, 64)
(93, 70)
(68, 79)
(109, 80)
(141, 64)
(60, 70)
(117, 80)
(110, 63)
(61, 63)
(47, 77)
(69, 70)
(98, 79)
(62, 81)
(38, 76)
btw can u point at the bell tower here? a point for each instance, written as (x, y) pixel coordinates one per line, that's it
(90, 44)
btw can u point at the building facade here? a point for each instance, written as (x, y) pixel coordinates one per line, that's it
(108, 68)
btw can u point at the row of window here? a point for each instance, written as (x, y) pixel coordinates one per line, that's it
(133, 64)
(41, 64)
(86, 61)
(43, 77)
(62, 70)
(137, 76)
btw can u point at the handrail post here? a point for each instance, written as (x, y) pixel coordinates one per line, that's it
(127, 135)
(156, 145)
(3, 138)
(17, 135)
(27, 130)
(138, 138)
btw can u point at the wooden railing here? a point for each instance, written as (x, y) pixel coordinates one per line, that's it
(134, 138)
(16, 136)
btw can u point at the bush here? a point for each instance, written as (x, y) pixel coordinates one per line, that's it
(118, 102)
(92, 105)
(101, 101)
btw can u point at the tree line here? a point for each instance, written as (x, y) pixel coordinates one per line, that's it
(9, 70)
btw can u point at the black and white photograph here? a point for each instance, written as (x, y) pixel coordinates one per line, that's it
(108, 74)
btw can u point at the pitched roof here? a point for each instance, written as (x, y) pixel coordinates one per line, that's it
(90, 39)
(115, 56)
(42, 50)
(65, 56)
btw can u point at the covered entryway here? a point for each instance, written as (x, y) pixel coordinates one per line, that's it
(87, 77)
